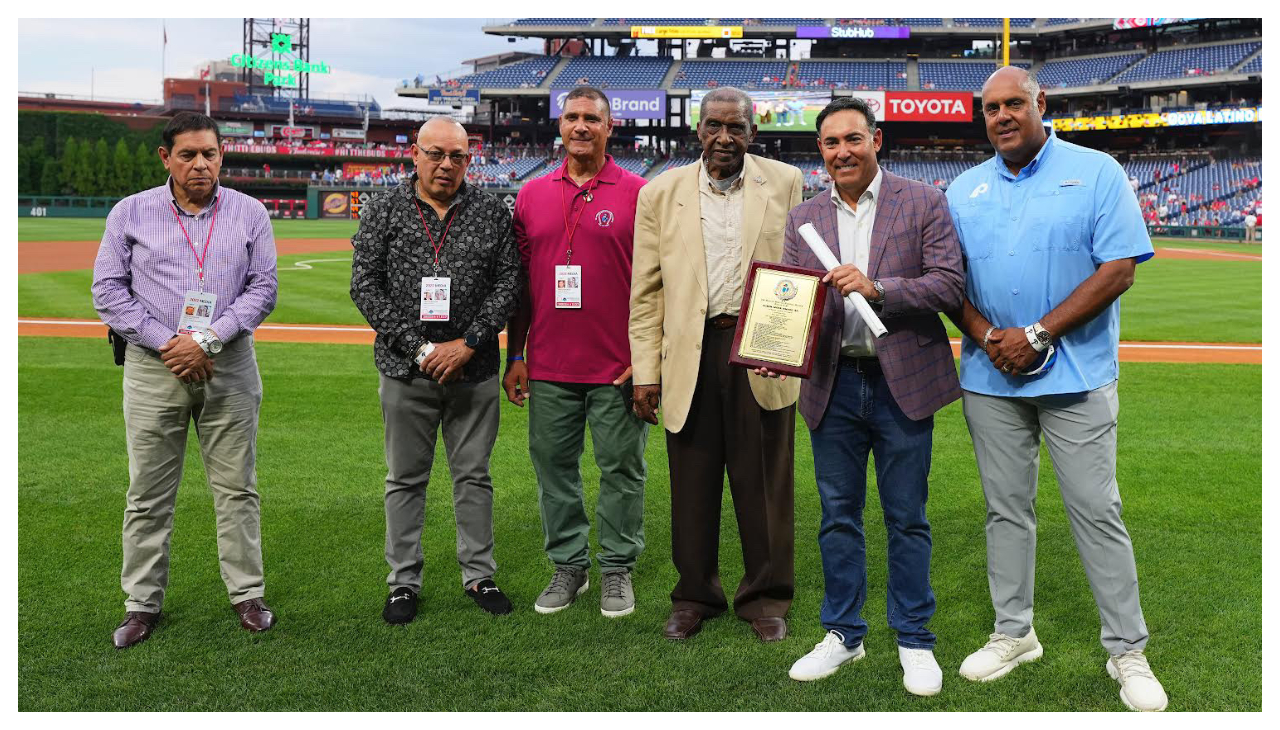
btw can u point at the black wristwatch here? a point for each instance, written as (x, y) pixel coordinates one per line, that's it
(471, 339)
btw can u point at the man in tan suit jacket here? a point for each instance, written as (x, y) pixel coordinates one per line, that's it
(697, 229)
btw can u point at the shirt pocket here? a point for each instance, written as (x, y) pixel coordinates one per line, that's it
(972, 223)
(1059, 219)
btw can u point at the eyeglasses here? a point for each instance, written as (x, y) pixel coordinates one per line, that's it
(437, 156)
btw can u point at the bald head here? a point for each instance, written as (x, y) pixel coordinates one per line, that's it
(1017, 75)
(448, 127)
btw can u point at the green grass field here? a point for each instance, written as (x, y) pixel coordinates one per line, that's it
(1167, 301)
(90, 229)
(1189, 470)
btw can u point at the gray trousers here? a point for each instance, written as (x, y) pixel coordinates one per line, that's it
(467, 413)
(157, 410)
(1080, 432)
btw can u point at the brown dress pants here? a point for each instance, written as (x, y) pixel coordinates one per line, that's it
(727, 429)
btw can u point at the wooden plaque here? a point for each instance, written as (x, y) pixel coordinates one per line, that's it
(779, 319)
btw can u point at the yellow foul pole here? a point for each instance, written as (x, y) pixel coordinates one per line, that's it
(1006, 41)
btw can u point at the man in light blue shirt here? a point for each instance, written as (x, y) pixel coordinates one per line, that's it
(1052, 234)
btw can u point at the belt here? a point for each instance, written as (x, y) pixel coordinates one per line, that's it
(723, 321)
(861, 364)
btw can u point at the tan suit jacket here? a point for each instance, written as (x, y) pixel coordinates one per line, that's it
(669, 277)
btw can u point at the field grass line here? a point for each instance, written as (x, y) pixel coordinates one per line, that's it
(1208, 252)
(306, 265)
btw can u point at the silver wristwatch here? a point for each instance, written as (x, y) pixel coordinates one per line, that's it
(208, 341)
(879, 290)
(1039, 337)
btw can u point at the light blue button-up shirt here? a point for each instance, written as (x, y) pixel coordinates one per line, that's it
(1029, 241)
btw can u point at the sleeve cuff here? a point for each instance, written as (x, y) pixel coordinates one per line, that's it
(226, 328)
(154, 334)
(410, 341)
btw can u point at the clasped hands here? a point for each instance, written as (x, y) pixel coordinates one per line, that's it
(186, 360)
(1010, 351)
(446, 360)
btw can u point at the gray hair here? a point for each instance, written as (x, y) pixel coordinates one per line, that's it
(1031, 86)
(726, 93)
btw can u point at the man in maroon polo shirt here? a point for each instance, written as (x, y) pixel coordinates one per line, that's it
(574, 231)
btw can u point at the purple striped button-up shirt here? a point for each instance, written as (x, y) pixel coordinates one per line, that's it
(145, 266)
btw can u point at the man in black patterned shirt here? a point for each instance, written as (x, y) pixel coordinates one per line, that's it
(436, 273)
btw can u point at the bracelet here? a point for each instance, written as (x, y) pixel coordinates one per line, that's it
(987, 337)
(515, 358)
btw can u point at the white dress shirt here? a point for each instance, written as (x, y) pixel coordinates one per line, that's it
(855, 248)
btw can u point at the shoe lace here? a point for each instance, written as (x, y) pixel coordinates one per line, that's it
(916, 657)
(1001, 644)
(614, 585)
(832, 641)
(1133, 664)
(561, 581)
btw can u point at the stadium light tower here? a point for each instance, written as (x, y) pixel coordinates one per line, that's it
(278, 39)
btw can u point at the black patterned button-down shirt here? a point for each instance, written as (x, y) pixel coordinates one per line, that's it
(393, 254)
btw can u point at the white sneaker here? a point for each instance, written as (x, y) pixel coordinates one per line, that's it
(1000, 655)
(827, 656)
(1139, 688)
(921, 674)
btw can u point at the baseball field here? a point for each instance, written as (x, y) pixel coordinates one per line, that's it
(1190, 473)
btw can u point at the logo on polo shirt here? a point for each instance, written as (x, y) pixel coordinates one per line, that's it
(604, 218)
(979, 190)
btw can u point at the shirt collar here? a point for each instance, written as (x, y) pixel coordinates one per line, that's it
(458, 197)
(217, 191)
(1031, 167)
(704, 178)
(608, 175)
(873, 190)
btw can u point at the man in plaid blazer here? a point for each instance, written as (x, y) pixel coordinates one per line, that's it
(898, 249)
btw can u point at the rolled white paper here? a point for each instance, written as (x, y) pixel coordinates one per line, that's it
(823, 252)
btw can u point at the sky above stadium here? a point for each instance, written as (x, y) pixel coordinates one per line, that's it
(121, 59)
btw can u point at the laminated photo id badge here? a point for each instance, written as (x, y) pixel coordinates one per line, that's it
(568, 287)
(197, 312)
(435, 299)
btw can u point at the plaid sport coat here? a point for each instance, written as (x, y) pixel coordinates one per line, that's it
(916, 255)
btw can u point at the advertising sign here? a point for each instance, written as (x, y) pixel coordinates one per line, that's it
(283, 68)
(923, 106)
(875, 100)
(623, 103)
(775, 111)
(358, 200)
(686, 31)
(280, 149)
(351, 169)
(334, 205)
(454, 96)
(1127, 23)
(284, 130)
(348, 133)
(853, 32)
(1233, 115)
(236, 129)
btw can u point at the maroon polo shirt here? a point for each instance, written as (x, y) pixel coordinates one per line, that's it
(587, 345)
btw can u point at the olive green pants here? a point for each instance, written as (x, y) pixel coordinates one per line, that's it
(558, 416)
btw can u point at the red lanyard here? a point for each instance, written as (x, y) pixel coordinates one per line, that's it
(593, 184)
(200, 257)
(428, 230)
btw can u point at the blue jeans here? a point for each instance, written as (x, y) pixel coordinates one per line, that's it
(863, 417)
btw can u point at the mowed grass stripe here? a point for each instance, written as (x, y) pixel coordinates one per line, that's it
(1163, 304)
(1189, 470)
(90, 229)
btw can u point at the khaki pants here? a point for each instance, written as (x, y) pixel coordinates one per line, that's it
(157, 410)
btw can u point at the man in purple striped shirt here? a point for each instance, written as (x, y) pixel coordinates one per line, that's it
(185, 273)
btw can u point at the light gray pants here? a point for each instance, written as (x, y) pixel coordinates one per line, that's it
(157, 410)
(1080, 433)
(467, 413)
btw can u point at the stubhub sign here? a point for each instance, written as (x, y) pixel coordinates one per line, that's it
(623, 103)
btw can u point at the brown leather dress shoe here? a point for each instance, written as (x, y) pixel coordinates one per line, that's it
(135, 628)
(682, 624)
(770, 628)
(255, 615)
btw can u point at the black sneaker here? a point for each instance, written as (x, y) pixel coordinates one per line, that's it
(402, 606)
(487, 595)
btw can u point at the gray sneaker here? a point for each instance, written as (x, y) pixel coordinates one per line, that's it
(616, 597)
(566, 585)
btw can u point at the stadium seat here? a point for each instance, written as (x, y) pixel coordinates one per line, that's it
(643, 72)
(1197, 61)
(958, 76)
(1068, 72)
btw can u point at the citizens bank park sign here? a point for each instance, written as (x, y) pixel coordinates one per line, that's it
(276, 71)
(919, 106)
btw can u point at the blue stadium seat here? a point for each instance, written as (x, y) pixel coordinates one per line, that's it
(643, 72)
(527, 73)
(555, 21)
(992, 22)
(958, 76)
(1254, 66)
(1182, 62)
(1067, 72)
(742, 74)
(865, 75)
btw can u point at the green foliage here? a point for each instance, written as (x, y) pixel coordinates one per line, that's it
(57, 127)
(122, 177)
(145, 164)
(67, 173)
(103, 177)
(50, 177)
